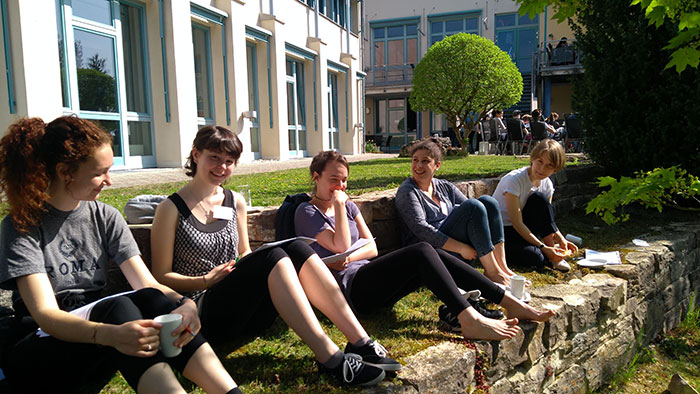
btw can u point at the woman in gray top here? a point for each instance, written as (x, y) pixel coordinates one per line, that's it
(57, 242)
(435, 211)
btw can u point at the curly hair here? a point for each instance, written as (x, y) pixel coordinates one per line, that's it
(217, 139)
(29, 153)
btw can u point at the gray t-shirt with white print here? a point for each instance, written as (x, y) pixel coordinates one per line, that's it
(73, 248)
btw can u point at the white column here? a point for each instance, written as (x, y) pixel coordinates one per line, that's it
(36, 76)
(174, 139)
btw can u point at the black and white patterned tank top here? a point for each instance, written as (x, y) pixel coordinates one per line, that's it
(200, 247)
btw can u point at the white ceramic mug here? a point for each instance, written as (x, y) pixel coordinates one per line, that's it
(517, 286)
(170, 322)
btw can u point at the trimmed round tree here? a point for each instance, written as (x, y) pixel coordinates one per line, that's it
(464, 76)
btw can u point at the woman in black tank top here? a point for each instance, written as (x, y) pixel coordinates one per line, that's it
(200, 246)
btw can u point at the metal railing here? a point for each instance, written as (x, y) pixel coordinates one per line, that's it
(558, 57)
(390, 75)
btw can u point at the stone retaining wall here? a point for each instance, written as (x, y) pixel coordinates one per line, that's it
(601, 320)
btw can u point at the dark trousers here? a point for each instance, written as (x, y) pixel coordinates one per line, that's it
(36, 364)
(388, 278)
(240, 303)
(538, 216)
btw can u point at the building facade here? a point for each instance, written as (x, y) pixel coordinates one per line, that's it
(284, 74)
(398, 37)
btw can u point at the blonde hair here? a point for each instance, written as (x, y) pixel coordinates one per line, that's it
(553, 150)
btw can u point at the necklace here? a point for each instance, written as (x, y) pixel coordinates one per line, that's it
(319, 198)
(204, 210)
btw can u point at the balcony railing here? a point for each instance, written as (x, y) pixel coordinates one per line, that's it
(558, 58)
(390, 75)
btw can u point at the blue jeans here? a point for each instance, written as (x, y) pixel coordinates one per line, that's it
(476, 222)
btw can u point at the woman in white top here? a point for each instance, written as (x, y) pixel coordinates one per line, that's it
(525, 199)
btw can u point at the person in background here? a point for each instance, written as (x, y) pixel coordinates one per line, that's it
(525, 198)
(200, 246)
(57, 242)
(500, 124)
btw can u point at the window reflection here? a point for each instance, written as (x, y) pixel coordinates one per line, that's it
(97, 83)
(94, 10)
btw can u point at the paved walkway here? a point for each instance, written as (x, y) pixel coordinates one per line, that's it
(150, 176)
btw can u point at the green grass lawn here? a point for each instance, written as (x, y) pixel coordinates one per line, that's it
(269, 189)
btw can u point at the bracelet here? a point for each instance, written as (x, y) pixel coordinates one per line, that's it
(94, 332)
(181, 301)
(204, 278)
(541, 246)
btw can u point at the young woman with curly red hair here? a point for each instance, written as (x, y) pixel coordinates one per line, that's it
(57, 242)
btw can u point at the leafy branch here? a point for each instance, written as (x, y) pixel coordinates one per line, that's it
(659, 188)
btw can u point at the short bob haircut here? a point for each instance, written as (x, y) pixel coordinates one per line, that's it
(553, 150)
(216, 139)
(432, 145)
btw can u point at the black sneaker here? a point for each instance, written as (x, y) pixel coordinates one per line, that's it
(448, 321)
(480, 307)
(352, 371)
(374, 354)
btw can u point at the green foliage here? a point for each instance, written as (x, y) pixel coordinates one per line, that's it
(97, 90)
(371, 147)
(653, 189)
(636, 116)
(692, 318)
(683, 14)
(464, 76)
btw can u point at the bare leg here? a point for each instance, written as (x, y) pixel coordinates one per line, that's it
(290, 301)
(475, 326)
(324, 293)
(500, 255)
(205, 369)
(159, 378)
(493, 271)
(520, 310)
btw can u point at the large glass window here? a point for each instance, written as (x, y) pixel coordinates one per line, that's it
(397, 121)
(517, 36)
(202, 71)
(441, 27)
(395, 52)
(103, 53)
(296, 111)
(253, 98)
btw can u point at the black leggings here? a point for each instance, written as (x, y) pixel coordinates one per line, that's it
(240, 303)
(388, 278)
(34, 364)
(538, 216)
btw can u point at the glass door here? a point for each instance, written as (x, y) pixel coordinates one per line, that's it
(253, 99)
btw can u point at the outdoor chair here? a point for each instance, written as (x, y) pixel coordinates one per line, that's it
(516, 138)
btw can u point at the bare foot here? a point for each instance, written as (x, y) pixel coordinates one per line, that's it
(499, 278)
(475, 326)
(520, 310)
